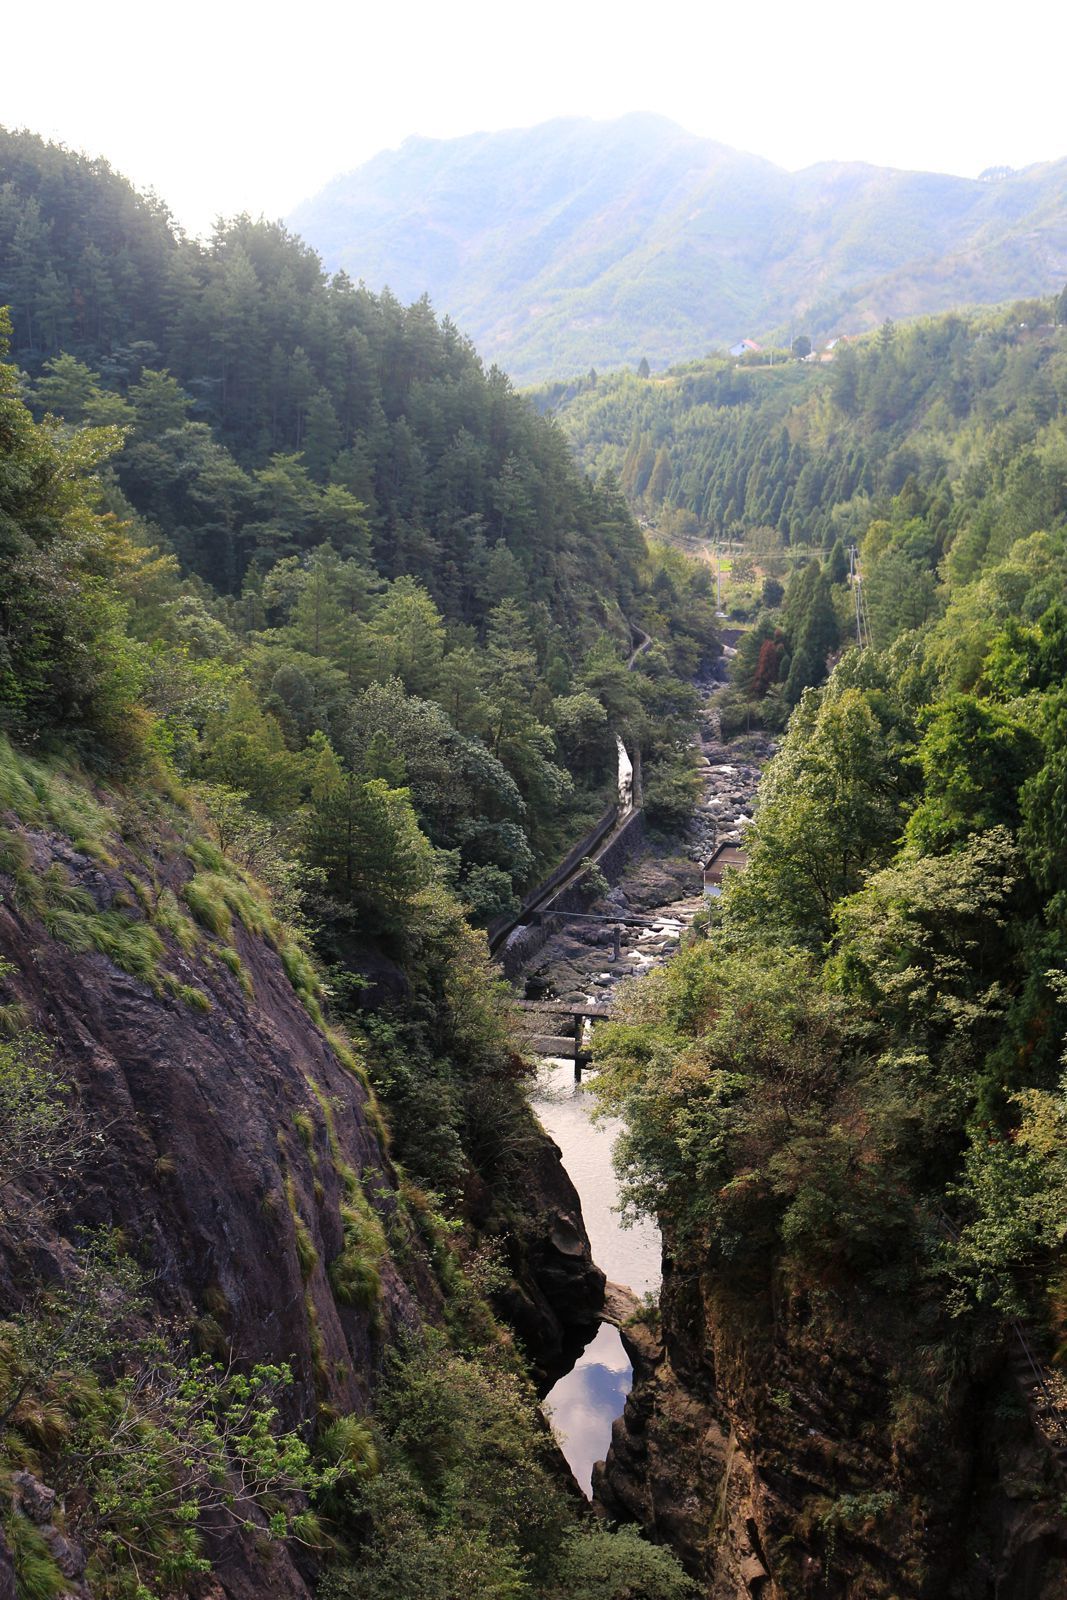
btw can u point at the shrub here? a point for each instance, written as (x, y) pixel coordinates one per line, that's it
(349, 1444)
(594, 882)
(354, 1275)
(597, 1564)
(143, 1458)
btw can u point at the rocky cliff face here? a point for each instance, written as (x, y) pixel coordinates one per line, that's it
(233, 1141)
(556, 1291)
(206, 1161)
(770, 1440)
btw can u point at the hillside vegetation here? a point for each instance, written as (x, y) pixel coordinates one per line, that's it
(367, 549)
(579, 244)
(952, 404)
(930, 447)
(313, 645)
(846, 1099)
(286, 708)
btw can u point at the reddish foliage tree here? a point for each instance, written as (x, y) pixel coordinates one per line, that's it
(766, 671)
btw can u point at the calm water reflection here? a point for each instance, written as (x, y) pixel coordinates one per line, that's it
(628, 1255)
(585, 1402)
(582, 1406)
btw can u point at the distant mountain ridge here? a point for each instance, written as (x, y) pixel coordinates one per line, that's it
(578, 243)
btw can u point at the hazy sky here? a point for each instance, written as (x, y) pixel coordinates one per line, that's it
(223, 106)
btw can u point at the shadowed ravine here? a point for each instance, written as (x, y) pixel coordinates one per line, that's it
(663, 891)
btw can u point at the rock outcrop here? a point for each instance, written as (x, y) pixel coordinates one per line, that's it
(554, 1298)
(229, 1136)
(766, 1440)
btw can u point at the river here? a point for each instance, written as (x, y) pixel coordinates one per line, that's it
(584, 1403)
(664, 891)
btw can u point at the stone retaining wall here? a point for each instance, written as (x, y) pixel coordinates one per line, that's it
(527, 939)
(498, 930)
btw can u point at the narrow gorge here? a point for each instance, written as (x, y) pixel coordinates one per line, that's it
(633, 926)
(370, 730)
(746, 1427)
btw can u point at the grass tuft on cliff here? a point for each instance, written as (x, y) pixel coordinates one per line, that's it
(40, 794)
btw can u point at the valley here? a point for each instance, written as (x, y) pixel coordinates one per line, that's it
(368, 730)
(662, 886)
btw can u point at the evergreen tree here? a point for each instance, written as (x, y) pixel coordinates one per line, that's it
(363, 835)
(837, 563)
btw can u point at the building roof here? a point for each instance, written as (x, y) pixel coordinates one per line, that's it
(727, 855)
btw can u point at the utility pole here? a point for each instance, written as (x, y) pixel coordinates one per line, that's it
(854, 574)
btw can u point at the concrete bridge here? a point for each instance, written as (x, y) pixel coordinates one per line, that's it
(559, 1008)
(568, 1045)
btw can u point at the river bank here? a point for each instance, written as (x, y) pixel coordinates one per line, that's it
(659, 891)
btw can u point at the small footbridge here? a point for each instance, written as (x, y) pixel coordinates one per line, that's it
(570, 1041)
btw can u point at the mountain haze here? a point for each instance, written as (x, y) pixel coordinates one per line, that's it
(579, 243)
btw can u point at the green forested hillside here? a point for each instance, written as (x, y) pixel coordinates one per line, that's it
(148, 1444)
(931, 447)
(266, 750)
(847, 1098)
(271, 358)
(367, 540)
(846, 1105)
(312, 646)
(810, 448)
(578, 243)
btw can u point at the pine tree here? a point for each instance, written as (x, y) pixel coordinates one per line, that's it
(322, 435)
(837, 563)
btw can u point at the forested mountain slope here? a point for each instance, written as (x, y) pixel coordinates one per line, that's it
(276, 728)
(265, 1152)
(948, 434)
(275, 359)
(930, 447)
(578, 243)
(369, 540)
(846, 1101)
